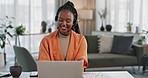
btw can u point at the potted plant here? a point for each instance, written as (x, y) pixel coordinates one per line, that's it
(5, 25)
(141, 40)
(129, 26)
(19, 30)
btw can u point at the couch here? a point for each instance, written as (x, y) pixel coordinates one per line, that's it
(109, 59)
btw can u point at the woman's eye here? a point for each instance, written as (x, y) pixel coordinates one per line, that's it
(68, 21)
(60, 20)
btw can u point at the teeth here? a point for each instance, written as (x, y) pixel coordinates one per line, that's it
(63, 27)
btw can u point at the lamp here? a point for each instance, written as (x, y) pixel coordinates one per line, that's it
(85, 15)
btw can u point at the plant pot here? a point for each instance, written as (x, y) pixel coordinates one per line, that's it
(129, 29)
(15, 71)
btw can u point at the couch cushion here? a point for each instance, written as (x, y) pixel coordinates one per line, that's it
(122, 44)
(105, 43)
(92, 46)
(108, 59)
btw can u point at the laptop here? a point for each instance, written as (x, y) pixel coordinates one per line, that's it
(59, 69)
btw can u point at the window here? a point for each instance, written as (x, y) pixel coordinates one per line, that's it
(30, 13)
(122, 11)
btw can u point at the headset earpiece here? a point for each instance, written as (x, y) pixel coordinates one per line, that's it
(75, 22)
(56, 18)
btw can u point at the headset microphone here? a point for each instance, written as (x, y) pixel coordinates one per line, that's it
(69, 30)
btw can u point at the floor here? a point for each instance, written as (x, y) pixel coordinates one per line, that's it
(137, 74)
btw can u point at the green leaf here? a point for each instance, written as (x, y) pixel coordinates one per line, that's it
(129, 24)
(2, 38)
(5, 26)
(10, 26)
(20, 30)
(9, 34)
(3, 45)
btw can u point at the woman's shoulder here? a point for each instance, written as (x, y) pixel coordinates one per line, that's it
(78, 36)
(50, 36)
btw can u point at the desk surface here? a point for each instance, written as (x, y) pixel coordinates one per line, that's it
(104, 74)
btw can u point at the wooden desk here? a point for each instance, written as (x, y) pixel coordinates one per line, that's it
(104, 74)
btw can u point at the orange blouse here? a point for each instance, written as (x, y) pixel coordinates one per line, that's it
(50, 48)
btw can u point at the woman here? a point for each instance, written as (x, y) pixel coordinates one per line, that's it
(66, 43)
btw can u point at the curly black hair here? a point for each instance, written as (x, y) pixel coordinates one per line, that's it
(70, 6)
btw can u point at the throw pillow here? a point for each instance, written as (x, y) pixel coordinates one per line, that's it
(106, 43)
(122, 44)
(92, 47)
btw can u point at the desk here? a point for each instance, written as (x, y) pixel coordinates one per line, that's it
(104, 74)
(107, 74)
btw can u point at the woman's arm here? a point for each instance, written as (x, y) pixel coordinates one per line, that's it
(82, 52)
(43, 51)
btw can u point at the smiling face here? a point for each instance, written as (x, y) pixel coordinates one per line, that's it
(65, 22)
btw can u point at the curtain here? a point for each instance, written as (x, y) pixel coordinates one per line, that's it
(7, 9)
(120, 12)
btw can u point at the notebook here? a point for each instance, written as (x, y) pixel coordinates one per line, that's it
(59, 69)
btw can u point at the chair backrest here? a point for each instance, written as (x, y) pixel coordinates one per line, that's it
(25, 59)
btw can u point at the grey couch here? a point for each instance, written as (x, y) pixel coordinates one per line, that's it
(96, 59)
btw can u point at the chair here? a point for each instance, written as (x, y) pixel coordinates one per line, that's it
(25, 59)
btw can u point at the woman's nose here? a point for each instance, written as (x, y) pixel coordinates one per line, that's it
(64, 22)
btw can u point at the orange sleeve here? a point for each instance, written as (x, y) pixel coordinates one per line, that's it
(44, 50)
(82, 52)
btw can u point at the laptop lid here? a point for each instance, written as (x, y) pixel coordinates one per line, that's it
(59, 69)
